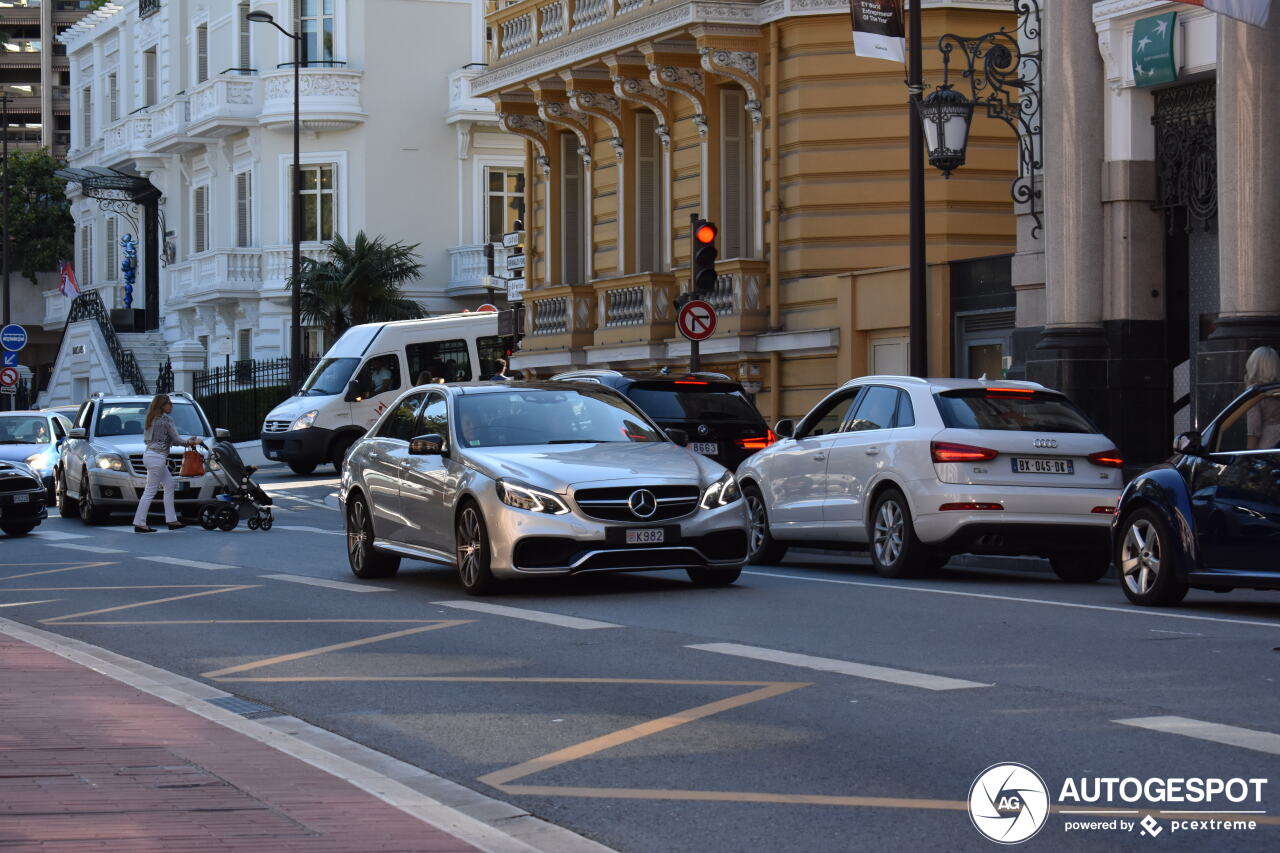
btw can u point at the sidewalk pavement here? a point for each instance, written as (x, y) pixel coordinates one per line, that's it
(89, 761)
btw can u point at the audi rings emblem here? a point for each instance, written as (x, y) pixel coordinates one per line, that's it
(1046, 442)
(643, 504)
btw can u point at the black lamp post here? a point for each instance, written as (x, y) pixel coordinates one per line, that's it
(295, 334)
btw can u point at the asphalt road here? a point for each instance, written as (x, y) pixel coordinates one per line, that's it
(811, 707)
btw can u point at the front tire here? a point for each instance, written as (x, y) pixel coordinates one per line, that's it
(713, 577)
(338, 453)
(762, 548)
(1080, 568)
(1144, 555)
(367, 563)
(90, 513)
(18, 529)
(895, 550)
(471, 539)
(302, 468)
(67, 508)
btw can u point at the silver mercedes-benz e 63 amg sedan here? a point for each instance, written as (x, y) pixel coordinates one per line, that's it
(520, 479)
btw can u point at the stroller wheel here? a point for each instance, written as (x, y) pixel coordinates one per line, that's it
(253, 524)
(227, 519)
(266, 524)
(208, 517)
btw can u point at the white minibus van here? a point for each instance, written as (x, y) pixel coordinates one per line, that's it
(364, 371)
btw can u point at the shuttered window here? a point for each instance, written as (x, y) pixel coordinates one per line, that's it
(737, 204)
(200, 219)
(246, 345)
(86, 116)
(650, 228)
(246, 46)
(244, 209)
(571, 211)
(149, 75)
(113, 97)
(85, 273)
(113, 256)
(202, 53)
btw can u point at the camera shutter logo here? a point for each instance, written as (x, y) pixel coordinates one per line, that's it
(1008, 803)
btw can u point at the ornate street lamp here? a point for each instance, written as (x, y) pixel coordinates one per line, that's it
(946, 115)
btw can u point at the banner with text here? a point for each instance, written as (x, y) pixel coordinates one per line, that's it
(1253, 12)
(878, 31)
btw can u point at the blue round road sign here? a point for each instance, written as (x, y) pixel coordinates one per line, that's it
(13, 337)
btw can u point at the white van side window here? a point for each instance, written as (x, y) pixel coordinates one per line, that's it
(379, 375)
(447, 360)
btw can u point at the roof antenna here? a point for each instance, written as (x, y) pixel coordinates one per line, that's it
(982, 378)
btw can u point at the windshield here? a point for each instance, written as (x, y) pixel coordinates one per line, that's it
(989, 409)
(538, 416)
(128, 419)
(673, 402)
(24, 429)
(330, 377)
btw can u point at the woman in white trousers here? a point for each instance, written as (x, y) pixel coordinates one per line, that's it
(160, 433)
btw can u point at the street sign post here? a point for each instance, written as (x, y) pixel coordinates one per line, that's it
(13, 337)
(696, 320)
(512, 239)
(515, 289)
(515, 262)
(10, 359)
(8, 376)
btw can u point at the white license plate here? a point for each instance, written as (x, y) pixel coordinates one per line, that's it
(706, 448)
(1022, 465)
(21, 499)
(181, 485)
(648, 536)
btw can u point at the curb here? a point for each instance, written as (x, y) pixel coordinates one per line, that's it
(483, 822)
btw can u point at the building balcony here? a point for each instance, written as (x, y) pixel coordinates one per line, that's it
(635, 309)
(329, 99)
(218, 274)
(469, 271)
(559, 319)
(126, 139)
(741, 297)
(463, 104)
(225, 104)
(57, 306)
(277, 264)
(169, 134)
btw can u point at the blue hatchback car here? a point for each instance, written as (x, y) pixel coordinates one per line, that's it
(1208, 518)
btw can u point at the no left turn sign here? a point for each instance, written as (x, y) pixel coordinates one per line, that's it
(696, 320)
(8, 376)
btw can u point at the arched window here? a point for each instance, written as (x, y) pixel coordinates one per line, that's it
(651, 225)
(737, 159)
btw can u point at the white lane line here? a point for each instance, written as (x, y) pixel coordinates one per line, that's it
(304, 529)
(1130, 611)
(92, 549)
(57, 535)
(530, 615)
(842, 667)
(176, 561)
(349, 587)
(302, 484)
(1216, 732)
(25, 603)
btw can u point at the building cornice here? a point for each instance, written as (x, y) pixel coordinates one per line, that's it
(1107, 9)
(83, 30)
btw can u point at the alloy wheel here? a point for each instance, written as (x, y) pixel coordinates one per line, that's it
(759, 524)
(357, 534)
(889, 533)
(1140, 556)
(469, 545)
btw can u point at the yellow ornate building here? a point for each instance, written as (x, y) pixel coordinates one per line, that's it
(757, 116)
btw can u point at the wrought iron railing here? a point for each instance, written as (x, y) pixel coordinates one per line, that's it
(88, 306)
(164, 382)
(240, 394)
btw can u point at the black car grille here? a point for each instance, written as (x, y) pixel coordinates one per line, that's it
(18, 484)
(612, 503)
(140, 468)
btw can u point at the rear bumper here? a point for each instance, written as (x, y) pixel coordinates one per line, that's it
(1028, 538)
(303, 446)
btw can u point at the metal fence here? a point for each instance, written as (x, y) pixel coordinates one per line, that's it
(238, 395)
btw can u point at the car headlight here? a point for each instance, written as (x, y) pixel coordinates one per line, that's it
(111, 461)
(304, 421)
(528, 498)
(42, 461)
(722, 492)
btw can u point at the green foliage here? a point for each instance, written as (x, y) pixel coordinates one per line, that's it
(39, 214)
(361, 282)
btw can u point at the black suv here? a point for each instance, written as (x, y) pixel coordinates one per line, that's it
(709, 407)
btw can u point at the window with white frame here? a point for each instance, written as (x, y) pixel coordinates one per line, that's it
(244, 209)
(113, 257)
(199, 219)
(243, 38)
(651, 229)
(504, 190)
(202, 53)
(85, 277)
(737, 202)
(319, 202)
(149, 93)
(315, 22)
(113, 97)
(86, 115)
(572, 211)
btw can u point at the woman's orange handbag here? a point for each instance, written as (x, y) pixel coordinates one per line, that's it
(192, 465)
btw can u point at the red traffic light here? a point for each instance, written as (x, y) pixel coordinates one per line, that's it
(705, 233)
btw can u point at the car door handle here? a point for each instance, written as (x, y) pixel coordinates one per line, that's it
(819, 457)
(872, 451)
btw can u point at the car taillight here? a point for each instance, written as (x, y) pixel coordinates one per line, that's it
(1105, 510)
(945, 451)
(1107, 458)
(968, 506)
(691, 382)
(758, 442)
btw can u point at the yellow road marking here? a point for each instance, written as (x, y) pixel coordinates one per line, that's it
(504, 679)
(244, 667)
(95, 588)
(662, 724)
(63, 619)
(53, 571)
(260, 622)
(736, 797)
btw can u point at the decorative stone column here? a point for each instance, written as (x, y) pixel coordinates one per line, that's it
(1072, 353)
(1249, 191)
(188, 358)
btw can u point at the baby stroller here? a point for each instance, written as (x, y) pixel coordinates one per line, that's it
(238, 496)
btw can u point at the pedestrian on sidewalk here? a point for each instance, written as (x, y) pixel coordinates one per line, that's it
(160, 433)
(1262, 422)
(501, 374)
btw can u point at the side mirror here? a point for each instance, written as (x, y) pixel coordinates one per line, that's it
(785, 428)
(1188, 444)
(222, 435)
(678, 436)
(353, 394)
(426, 445)
(78, 432)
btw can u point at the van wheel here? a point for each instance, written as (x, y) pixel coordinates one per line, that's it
(895, 550)
(338, 452)
(302, 468)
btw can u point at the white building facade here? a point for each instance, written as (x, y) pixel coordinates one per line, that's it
(198, 100)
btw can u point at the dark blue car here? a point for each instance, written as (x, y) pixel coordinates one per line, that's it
(1208, 518)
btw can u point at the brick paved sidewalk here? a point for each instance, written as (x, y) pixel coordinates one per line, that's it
(88, 763)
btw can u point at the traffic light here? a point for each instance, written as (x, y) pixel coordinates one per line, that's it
(704, 256)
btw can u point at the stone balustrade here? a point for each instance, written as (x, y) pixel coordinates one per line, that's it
(635, 308)
(527, 24)
(224, 105)
(329, 99)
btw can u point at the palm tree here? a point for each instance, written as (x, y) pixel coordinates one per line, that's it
(361, 282)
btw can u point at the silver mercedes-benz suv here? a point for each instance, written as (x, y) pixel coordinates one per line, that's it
(518, 479)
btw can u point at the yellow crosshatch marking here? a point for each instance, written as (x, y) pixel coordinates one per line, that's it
(66, 620)
(65, 568)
